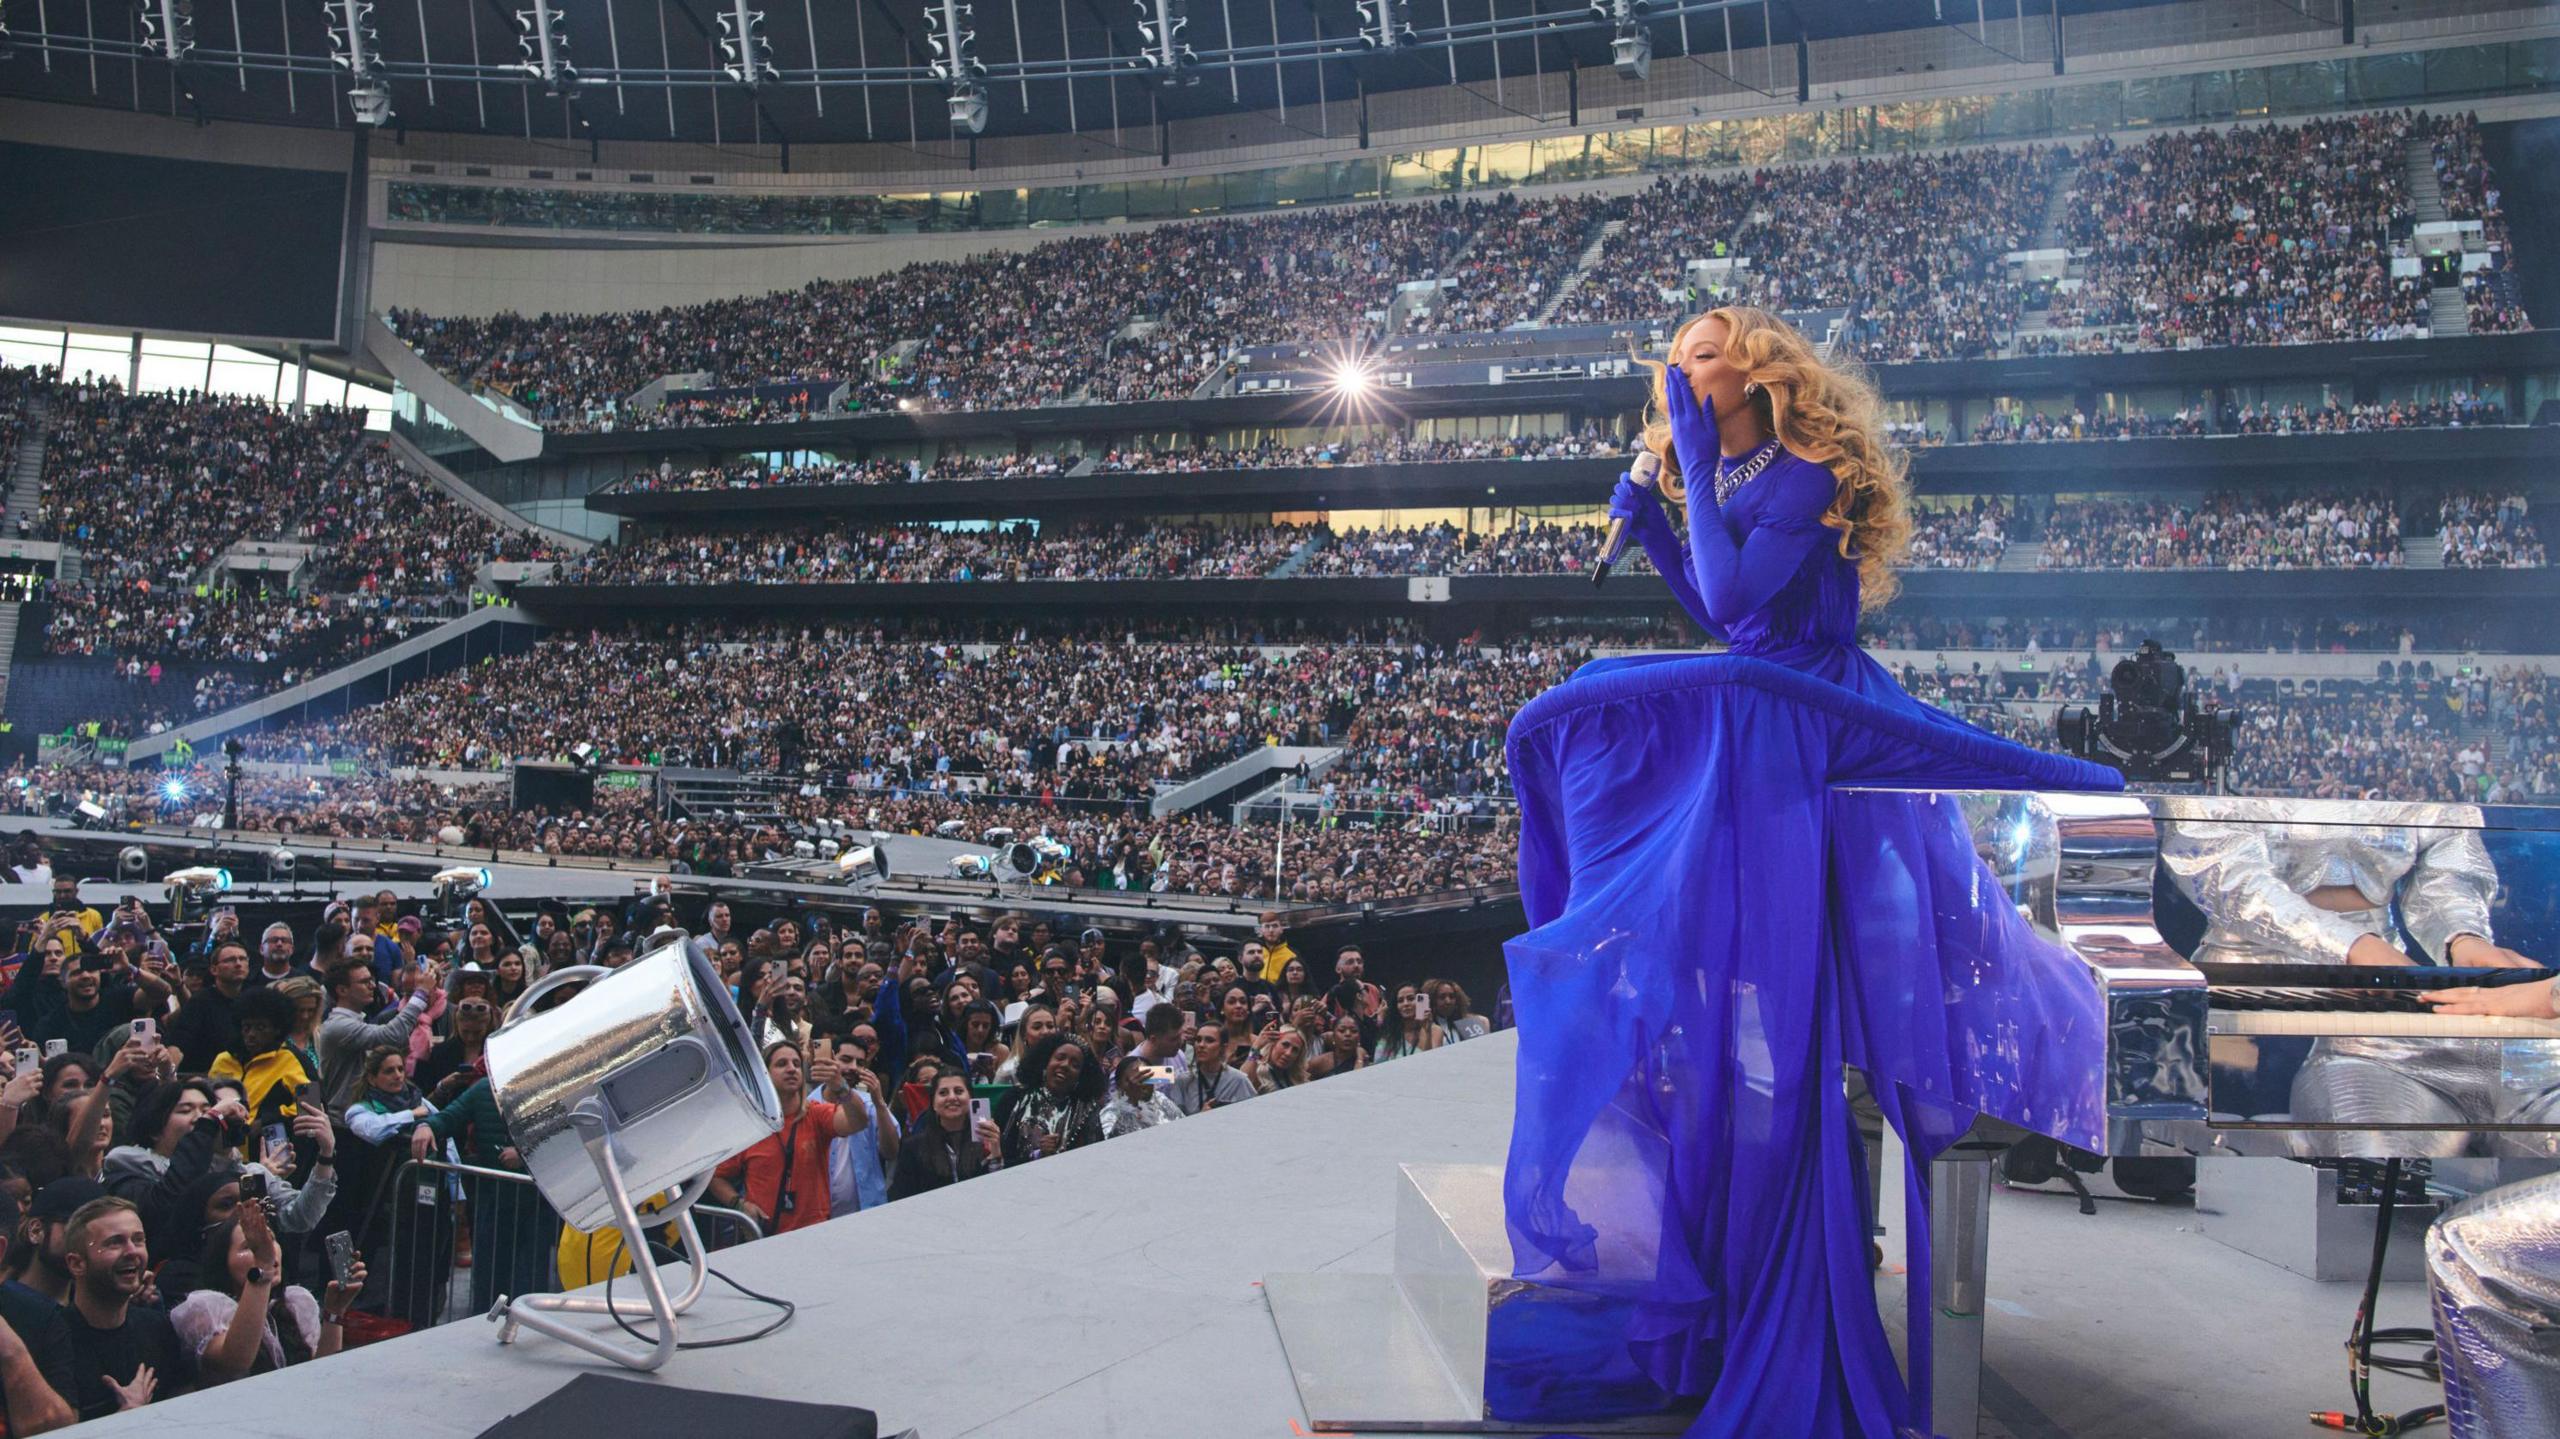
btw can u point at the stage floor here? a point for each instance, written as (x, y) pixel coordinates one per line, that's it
(1114, 1292)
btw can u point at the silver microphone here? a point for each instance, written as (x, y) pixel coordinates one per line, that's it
(1644, 471)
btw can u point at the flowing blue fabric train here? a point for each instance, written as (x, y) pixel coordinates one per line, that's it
(1707, 948)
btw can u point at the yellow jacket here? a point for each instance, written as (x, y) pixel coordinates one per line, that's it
(264, 1073)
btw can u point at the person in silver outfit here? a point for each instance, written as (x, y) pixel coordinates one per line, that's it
(2275, 893)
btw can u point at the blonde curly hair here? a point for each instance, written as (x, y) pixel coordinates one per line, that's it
(1821, 410)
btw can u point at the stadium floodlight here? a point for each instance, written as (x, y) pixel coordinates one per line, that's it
(1353, 379)
(1386, 24)
(1160, 45)
(746, 56)
(546, 48)
(169, 28)
(356, 48)
(1630, 44)
(955, 59)
(969, 107)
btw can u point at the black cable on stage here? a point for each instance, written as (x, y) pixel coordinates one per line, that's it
(788, 1308)
(2362, 1338)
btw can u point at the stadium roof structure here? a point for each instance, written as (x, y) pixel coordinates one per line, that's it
(659, 70)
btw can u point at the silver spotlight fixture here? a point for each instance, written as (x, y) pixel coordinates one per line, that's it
(133, 864)
(861, 862)
(643, 1082)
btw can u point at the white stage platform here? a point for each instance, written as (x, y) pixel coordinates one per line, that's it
(1115, 1292)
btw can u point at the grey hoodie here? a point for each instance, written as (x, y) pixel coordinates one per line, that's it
(298, 1211)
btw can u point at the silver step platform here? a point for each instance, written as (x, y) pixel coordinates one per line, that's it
(1405, 1351)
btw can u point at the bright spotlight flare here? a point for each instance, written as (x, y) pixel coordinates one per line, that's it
(1353, 379)
(1646, 469)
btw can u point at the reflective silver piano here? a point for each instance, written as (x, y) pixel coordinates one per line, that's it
(2139, 891)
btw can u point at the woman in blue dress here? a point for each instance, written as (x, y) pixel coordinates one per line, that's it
(1710, 944)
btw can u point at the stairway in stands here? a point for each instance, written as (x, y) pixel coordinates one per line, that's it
(2021, 557)
(26, 476)
(701, 794)
(2447, 314)
(1581, 266)
(2422, 552)
(2056, 203)
(26, 492)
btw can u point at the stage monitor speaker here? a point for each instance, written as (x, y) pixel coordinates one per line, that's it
(556, 787)
(628, 1409)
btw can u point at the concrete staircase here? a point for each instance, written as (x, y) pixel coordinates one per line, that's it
(26, 475)
(2426, 197)
(2422, 552)
(2049, 229)
(1297, 559)
(2447, 313)
(1581, 266)
(2021, 557)
(701, 794)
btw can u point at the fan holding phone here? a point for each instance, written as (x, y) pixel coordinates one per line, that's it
(244, 1319)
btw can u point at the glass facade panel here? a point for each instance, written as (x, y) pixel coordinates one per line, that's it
(1052, 206)
(2088, 107)
(246, 377)
(2533, 64)
(1621, 152)
(2374, 79)
(2249, 91)
(1260, 189)
(1497, 165)
(2160, 100)
(2311, 85)
(169, 372)
(2466, 69)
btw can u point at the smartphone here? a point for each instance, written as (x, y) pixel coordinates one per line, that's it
(147, 1030)
(342, 1256)
(253, 1185)
(1422, 1006)
(981, 1112)
(28, 1058)
(53, 1047)
(306, 1100)
(273, 1136)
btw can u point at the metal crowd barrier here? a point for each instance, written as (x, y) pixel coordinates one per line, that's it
(408, 1241)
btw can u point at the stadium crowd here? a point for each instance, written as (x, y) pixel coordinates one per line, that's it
(2267, 234)
(2489, 532)
(2224, 531)
(2274, 234)
(155, 489)
(914, 554)
(227, 1102)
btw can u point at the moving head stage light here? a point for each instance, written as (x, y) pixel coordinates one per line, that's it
(2147, 726)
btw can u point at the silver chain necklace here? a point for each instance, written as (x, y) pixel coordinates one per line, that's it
(1730, 482)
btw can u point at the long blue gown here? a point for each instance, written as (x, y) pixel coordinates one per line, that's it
(1707, 949)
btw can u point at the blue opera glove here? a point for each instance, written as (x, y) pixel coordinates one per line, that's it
(1639, 505)
(1693, 437)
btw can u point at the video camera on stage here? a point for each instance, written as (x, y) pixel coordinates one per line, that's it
(2148, 727)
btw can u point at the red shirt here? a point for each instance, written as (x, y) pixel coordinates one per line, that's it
(757, 1171)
